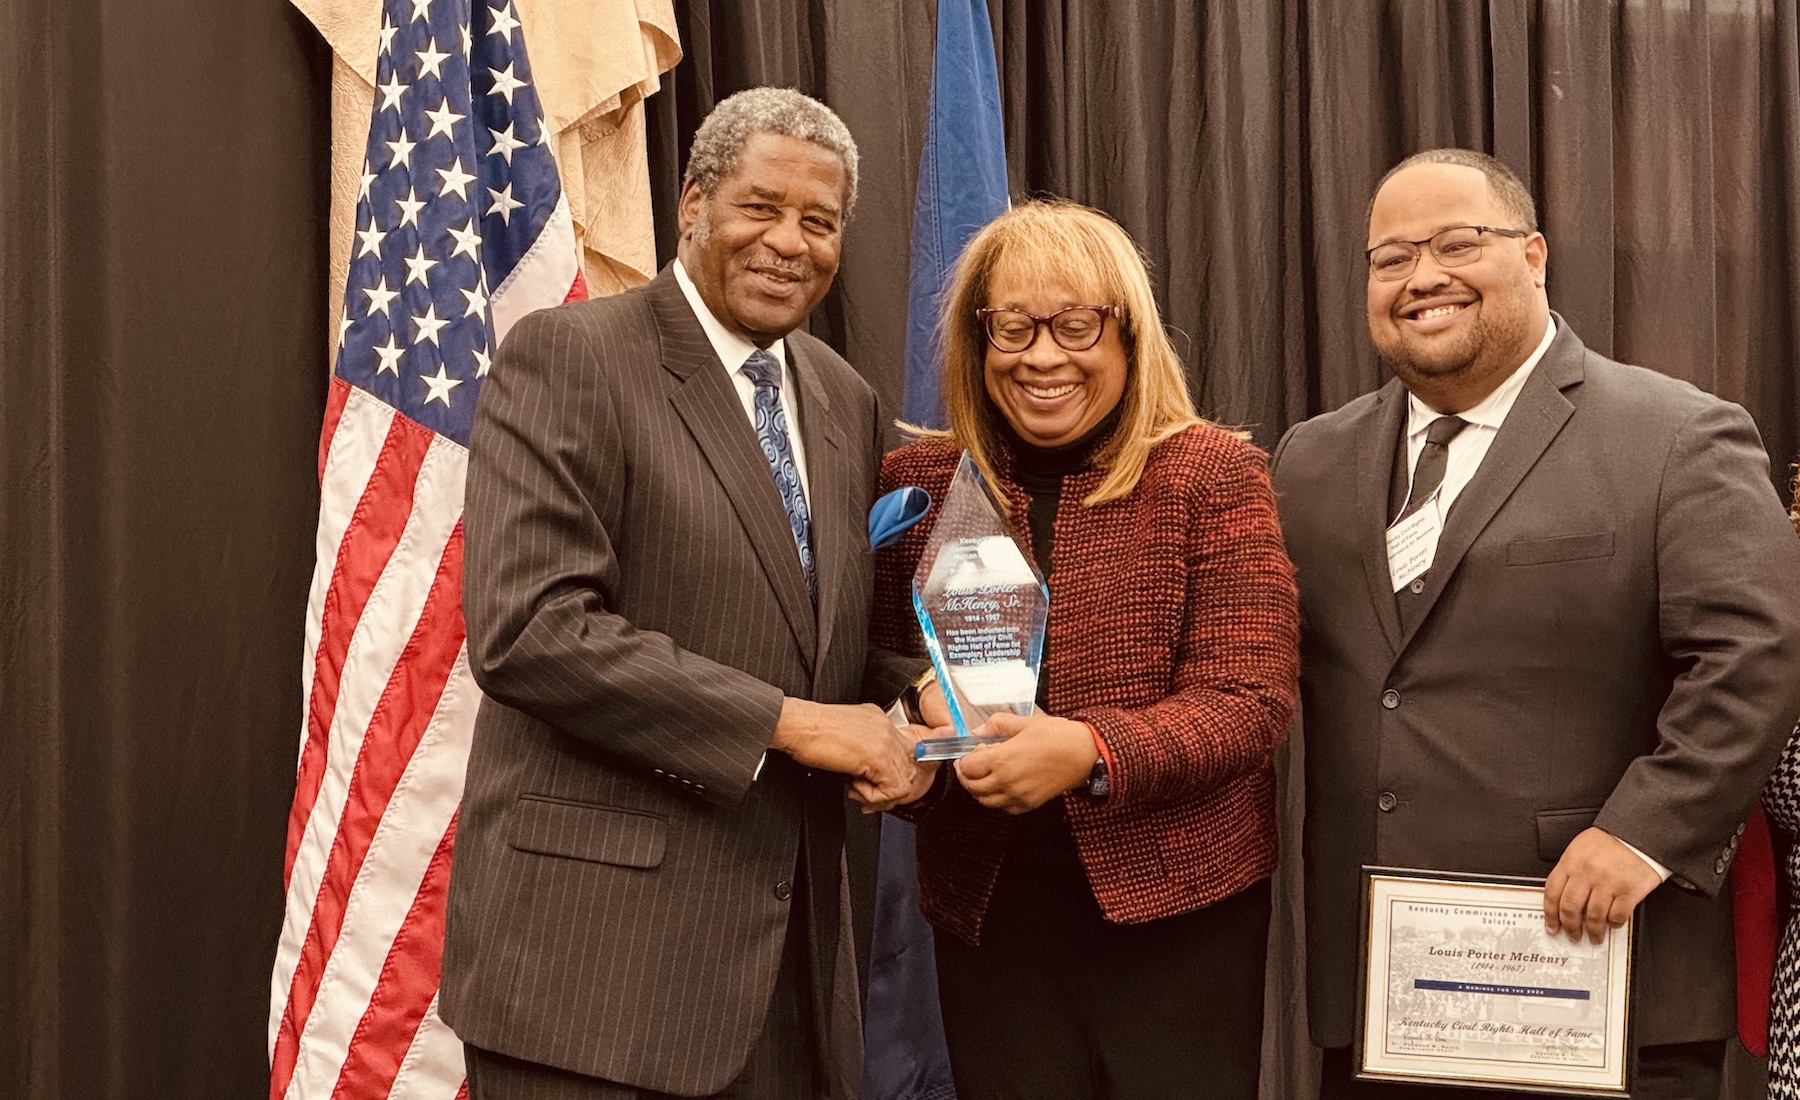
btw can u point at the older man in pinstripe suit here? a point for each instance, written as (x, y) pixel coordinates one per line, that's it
(667, 592)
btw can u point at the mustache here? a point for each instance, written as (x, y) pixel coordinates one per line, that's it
(773, 264)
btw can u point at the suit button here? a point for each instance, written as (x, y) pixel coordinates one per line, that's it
(784, 891)
(1387, 802)
(1390, 699)
(1417, 586)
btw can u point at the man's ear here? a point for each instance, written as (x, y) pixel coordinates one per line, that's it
(687, 209)
(1537, 255)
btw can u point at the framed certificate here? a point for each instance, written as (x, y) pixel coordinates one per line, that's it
(1462, 986)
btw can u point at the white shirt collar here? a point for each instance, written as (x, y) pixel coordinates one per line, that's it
(1490, 411)
(731, 348)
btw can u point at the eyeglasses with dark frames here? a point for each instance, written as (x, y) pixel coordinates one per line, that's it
(1392, 261)
(1076, 328)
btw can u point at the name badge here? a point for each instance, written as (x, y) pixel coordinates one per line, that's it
(1412, 545)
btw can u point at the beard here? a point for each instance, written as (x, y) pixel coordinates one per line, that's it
(1497, 342)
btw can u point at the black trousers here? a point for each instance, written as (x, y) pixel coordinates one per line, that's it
(1059, 1004)
(1677, 1071)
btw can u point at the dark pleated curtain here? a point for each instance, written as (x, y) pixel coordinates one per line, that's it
(162, 274)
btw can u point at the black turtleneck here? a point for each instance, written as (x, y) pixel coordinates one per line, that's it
(1042, 849)
(1040, 472)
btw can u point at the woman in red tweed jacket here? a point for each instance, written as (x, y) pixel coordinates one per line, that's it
(1099, 883)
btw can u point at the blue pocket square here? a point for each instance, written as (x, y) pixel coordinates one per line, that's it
(895, 513)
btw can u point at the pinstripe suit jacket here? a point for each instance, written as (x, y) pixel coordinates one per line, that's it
(636, 612)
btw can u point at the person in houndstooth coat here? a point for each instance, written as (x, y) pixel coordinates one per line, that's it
(1781, 800)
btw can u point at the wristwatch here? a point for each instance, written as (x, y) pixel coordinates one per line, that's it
(1099, 785)
(909, 698)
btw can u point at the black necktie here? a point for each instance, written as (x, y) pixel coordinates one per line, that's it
(1434, 459)
(1428, 476)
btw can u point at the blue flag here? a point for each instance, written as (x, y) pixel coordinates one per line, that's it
(962, 185)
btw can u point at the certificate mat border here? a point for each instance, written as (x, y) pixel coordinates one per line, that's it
(1620, 956)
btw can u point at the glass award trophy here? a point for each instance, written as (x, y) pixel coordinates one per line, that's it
(981, 605)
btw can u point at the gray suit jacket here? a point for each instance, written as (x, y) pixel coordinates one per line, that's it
(1612, 625)
(636, 612)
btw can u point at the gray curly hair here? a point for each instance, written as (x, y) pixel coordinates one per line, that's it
(721, 138)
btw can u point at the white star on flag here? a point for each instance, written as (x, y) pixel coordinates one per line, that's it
(390, 356)
(504, 23)
(477, 300)
(417, 265)
(468, 239)
(371, 240)
(409, 208)
(443, 120)
(402, 151)
(440, 385)
(504, 142)
(391, 92)
(455, 180)
(430, 60)
(504, 204)
(379, 297)
(505, 84)
(428, 324)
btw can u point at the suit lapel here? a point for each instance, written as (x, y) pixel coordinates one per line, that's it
(1375, 448)
(826, 489)
(1537, 416)
(708, 404)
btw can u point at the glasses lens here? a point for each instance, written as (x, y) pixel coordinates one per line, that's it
(1077, 329)
(1393, 261)
(1010, 330)
(1456, 247)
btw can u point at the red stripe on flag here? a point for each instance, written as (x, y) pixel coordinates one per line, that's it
(369, 540)
(407, 706)
(578, 288)
(336, 397)
(408, 982)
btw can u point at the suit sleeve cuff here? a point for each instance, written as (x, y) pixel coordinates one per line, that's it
(1661, 871)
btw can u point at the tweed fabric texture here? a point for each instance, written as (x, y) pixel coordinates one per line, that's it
(1173, 631)
(1781, 800)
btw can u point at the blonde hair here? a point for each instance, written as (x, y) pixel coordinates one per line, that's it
(1054, 240)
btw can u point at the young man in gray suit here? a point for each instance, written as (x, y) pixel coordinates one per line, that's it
(1578, 663)
(667, 594)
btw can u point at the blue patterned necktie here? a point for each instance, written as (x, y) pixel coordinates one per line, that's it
(772, 433)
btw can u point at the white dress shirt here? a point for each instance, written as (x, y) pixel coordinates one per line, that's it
(1471, 444)
(733, 351)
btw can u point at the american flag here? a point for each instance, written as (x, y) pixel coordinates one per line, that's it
(462, 228)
